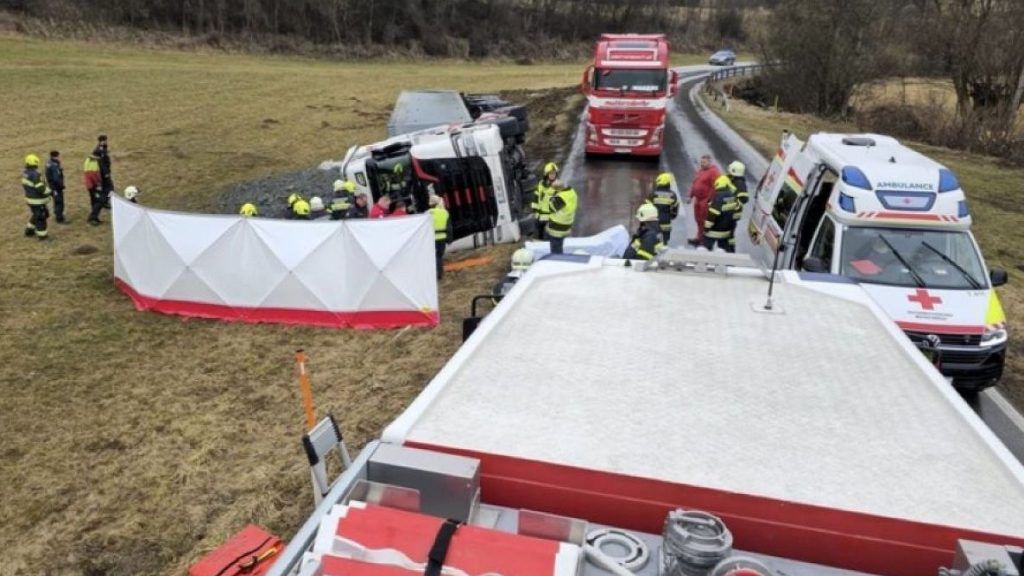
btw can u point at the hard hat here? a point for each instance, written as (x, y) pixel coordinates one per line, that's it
(663, 179)
(131, 192)
(248, 209)
(32, 160)
(737, 169)
(346, 185)
(550, 167)
(522, 259)
(316, 204)
(722, 181)
(647, 212)
(293, 198)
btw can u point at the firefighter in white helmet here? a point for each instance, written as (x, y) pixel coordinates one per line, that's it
(647, 239)
(131, 194)
(738, 175)
(522, 259)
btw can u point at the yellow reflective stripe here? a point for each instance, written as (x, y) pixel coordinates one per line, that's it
(660, 200)
(37, 201)
(644, 254)
(714, 211)
(994, 314)
(718, 233)
(659, 247)
(709, 224)
(440, 235)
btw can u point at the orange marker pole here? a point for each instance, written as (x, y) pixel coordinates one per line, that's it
(306, 388)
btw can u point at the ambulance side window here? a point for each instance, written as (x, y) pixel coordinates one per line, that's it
(783, 205)
(824, 242)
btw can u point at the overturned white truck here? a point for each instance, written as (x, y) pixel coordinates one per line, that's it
(471, 158)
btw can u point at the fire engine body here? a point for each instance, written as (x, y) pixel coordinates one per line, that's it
(628, 88)
(821, 442)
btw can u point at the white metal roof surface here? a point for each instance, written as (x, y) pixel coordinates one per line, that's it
(668, 381)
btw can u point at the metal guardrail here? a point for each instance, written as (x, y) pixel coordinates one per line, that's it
(735, 71)
(716, 92)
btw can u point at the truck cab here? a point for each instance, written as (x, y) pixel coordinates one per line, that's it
(466, 165)
(876, 212)
(628, 88)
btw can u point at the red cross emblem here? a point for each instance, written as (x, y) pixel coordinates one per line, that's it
(926, 300)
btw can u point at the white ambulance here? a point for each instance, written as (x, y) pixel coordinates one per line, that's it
(866, 209)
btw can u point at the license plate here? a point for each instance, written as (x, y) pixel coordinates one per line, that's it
(623, 150)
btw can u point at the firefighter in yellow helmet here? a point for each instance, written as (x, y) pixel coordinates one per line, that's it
(667, 202)
(720, 223)
(442, 230)
(542, 198)
(299, 207)
(248, 210)
(37, 196)
(563, 214)
(647, 240)
(738, 175)
(343, 200)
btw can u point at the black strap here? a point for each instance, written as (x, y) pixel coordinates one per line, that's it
(435, 560)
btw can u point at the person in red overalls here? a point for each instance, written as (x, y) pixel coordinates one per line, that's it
(701, 193)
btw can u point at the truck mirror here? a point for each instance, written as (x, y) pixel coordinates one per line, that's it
(673, 88)
(998, 276)
(814, 264)
(587, 81)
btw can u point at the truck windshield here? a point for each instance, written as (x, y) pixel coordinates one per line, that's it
(912, 258)
(630, 80)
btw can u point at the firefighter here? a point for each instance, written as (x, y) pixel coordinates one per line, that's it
(647, 240)
(701, 193)
(131, 194)
(738, 175)
(341, 203)
(542, 198)
(667, 203)
(522, 259)
(94, 186)
(316, 207)
(359, 207)
(442, 230)
(563, 213)
(248, 210)
(300, 208)
(55, 180)
(37, 195)
(102, 154)
(293, 198)
(720, 224)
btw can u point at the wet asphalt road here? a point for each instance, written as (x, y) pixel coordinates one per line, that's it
(611, 188)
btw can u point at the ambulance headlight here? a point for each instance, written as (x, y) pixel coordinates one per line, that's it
(994, 335)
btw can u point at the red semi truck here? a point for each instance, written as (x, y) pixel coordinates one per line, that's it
(628, 87)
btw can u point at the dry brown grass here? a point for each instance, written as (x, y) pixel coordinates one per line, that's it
(134, 442)
(993, 190)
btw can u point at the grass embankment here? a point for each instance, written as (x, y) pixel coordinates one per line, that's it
(134, 442)
(993, 190)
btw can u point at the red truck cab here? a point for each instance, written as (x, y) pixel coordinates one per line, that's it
(628, 88)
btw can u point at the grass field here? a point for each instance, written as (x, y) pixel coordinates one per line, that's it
(134, 442)
(993, 191)
(927, 96)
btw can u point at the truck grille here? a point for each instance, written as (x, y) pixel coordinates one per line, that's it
(948, 339)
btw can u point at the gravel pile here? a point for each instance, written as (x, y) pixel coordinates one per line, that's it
(270, 194)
